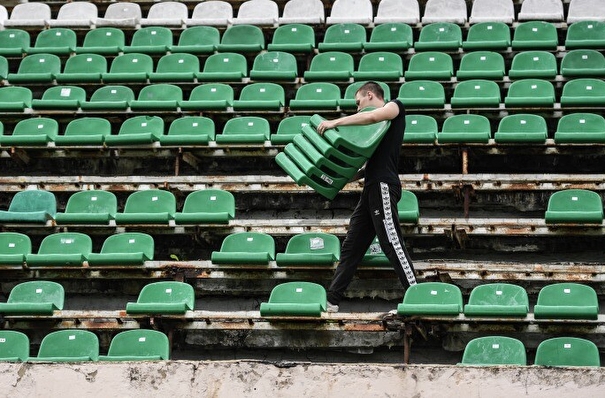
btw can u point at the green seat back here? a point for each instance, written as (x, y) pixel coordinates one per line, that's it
(34, 131)
(14, 246)
(407, 207)
(138, 130)
(83, 68)
(583, 62)
(567, 300)
(530, 92)
(288, 128)
(165, 297)
(316, 96)
(34, 297)
(533, 64)
(30, 206)
(343, 37)
(295, 299)
(574, 206)
(374, 256)
(245, 248)
(14, 346)
(439, 36)
(476, 93)
(535, 35)
(567, 351)
(422, 94)
(149, 206)
(15, 98)
(160, 96)
(13, 42)
(3, 68)
(224, 67)
(36, 68)
(137, 345)
(494, 350)
(585, 34)
(391, 36)
(381, 65)
(60, 41)
(210, 96)
(176, 67)
(493, 36)
(465, 128)
(522, 127)
(197, 40)
(583, 92)
(104, 41)
(430, 65)
(497, 299)
(245, 129)
(150, 40)
(580, 127)
(481, 65)
(293, 38)
(207, 206)
(69, 345)
(109, 97)
(348, 100)
(242, 38)
(62, 248)
(420, 129)
(61, 97)
(126, 248)
(131, 67)
(261, 96)
(330, 66)
(431, 298)
(89, 207)
(189, 130)
(311, 248)
(274, 65)
(85, 131)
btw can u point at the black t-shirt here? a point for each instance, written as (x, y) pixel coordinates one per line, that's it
(383, 165)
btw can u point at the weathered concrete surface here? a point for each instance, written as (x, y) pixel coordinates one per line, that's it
(256, 379)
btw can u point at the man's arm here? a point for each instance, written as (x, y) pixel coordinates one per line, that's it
(387, 112)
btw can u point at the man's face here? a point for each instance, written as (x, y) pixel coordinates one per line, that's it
(363, 100)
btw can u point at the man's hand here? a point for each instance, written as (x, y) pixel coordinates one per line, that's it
(325, 125)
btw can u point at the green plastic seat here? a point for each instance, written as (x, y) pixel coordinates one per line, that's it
(583, 63)
(522, 127)
(465, 128)
(431, 298)
(61, 249)
(151, 40)
(533, 64)
(420, 129)
(59, 41)
(34, 298)
(295, 299)
(330, 66)
(15, 98)
(14, 246)
(32, 132)
(494, 36)
(60, 98)
(568, 301)
(261, 96)
(178, 67)
(197, 40)
(245, 130)
(84, 131)
(109, 97)
(274, 66)
(494, 351)
(209, 96)
(580, 128)
(293, 38)
(224, 67)
(245, 248)
(152, 206)
(323, 187)
(14, 346)
(530, 93)
(476, 93)
(381, 65)
(407, 207)
(36, 68)
(126, 248)
(347, 37)
(242, 39)
(83, 68)
(310, 248)
(316, 96)
(138, 345)
(13, 42)
(567, 351)
(129, 68)
(583, 92)
(574, 206)
(422, 94)
(68, 345)
(535, 35)
(584, 34)
(288, 128)
(103, 41)
(440, 36)
(374, 256)
(430, 65)
(481, 65)
(89, 207)
(207, 206)
(138, 130)
(158, 97)
(391, 36)
(35, 206)
(163, 298)
(348, 100)
(3, 68)
(497, 299)
(189, 130)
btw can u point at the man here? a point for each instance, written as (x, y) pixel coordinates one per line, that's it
(376, 211)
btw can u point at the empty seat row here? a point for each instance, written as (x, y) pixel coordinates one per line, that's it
(152, 206)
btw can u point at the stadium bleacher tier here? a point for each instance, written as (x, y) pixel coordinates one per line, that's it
(137, 150)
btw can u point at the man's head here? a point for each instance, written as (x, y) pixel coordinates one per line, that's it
(369, 94)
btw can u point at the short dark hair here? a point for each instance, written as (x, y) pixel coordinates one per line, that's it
(373, 87)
